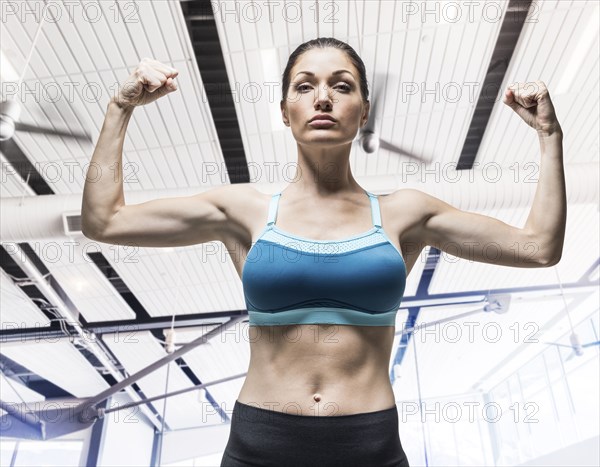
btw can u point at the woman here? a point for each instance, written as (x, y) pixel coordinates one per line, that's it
(323, 262)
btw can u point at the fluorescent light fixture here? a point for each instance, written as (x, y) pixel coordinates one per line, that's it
(580, 53)
(270, 66)
(7, 72)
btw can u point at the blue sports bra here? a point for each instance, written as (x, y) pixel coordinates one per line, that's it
(357, 280)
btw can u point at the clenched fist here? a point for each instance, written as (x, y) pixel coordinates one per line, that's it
(531, 101)
(149, 81)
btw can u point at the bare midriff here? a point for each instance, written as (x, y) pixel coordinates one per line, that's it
(319, 369)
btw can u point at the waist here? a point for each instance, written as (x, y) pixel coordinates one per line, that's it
(347, 366)
(333, 400)
(251, 411)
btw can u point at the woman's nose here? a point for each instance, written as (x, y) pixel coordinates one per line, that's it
(323, 97)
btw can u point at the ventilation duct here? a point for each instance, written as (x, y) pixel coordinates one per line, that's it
(57, 217)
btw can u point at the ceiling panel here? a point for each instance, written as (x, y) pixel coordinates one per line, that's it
(185, 410)
(89, 290)
(15, 392)
(49, 359)
(12, 183)
(568, 32)
(227, 354)
(94, 56)
(18, 311)
(429, 56)
(190, 280)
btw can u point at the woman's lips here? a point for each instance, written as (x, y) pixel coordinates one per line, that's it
(322, 123)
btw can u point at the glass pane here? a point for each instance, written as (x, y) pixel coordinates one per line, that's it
(48, 453)
(545, 430)
(441, 444)
(555, 369)
(470, 444)
(6, 452)
(596, 326)
(533, 377)
(566, 420)
(584, 385)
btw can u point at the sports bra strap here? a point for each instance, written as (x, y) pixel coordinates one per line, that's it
(375, 213)
(273, 208)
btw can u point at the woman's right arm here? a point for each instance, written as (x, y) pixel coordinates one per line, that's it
(158, 223)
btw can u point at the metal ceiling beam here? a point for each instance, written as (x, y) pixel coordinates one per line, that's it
(204, 37)
(16, 164)
(88, 408)
(513, 22)
(70, 318)
(432, 261)
(216, 319)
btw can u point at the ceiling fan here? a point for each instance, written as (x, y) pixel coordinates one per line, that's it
(10, 110)
(368, 139)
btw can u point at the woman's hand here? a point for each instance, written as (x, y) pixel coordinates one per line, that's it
(531, 101)
(149, 81)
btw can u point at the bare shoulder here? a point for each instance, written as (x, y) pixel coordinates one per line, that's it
(241, 205)
(230, 197)
(407, 209)
(412, 200)
(409, 195)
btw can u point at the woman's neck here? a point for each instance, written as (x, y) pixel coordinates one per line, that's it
(323, 172)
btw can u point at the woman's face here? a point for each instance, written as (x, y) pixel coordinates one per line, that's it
(324, 92)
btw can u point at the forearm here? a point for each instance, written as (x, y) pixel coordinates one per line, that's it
(103, 189)
(547, 218)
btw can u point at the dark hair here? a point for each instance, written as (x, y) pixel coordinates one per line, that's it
(323, 42)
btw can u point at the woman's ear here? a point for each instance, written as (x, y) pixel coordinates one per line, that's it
(284, 113)
(365, 115)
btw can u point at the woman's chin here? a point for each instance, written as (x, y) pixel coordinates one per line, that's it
(324, 137)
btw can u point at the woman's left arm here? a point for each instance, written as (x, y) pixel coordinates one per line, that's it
(540, 242)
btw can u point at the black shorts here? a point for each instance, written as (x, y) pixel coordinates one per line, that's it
(261, 437)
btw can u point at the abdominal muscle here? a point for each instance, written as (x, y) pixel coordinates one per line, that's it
(319, 369)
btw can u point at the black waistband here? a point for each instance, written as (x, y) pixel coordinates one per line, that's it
(292, 414)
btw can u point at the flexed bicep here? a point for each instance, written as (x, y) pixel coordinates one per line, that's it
(477, 237)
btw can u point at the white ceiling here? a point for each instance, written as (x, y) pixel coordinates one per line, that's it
(139, 350)
(50, 359)
(173, 143)
(18, 311)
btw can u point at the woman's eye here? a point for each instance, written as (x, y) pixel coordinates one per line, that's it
(344, 86)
